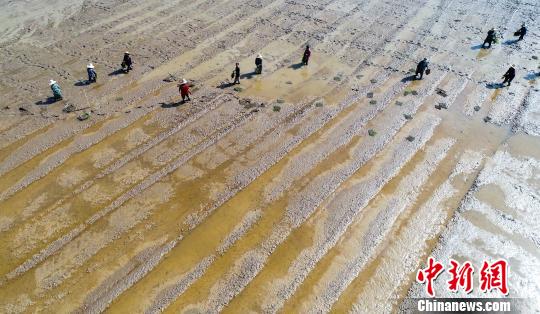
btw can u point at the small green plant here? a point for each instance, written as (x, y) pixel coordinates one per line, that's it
(373, 81)
(414, 92)
(372, 132)
(369, 95)
(406, 93)
(399, 103)
(407, 116)
(276, 108)
(120, 98)
(319, 104)
(372, 102)
(359, 76)
(280, 101)
(337, 78)
(410, 138)
(238, 89)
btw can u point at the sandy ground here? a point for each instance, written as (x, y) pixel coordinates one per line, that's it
(302, 190)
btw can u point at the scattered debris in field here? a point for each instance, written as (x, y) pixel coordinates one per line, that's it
(83, 116)
(441, 92)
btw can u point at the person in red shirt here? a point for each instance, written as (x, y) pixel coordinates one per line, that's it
(184, 90)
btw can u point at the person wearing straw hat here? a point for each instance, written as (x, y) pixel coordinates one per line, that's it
(57, 92)
(509, 75)
(258, 64)
(92, 76)
(183, 88)
(127, 62)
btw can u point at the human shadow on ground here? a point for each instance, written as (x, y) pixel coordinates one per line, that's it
(409, 78)
(248, 76)
(82, 83)
(48, 101)
(531, 76)
(476, 47)
(171, 104)
(494, 85)
(224, 85)
(296, 66)
(117, 72)
(510, 41)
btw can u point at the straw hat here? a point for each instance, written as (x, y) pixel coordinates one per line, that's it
(127, 52)
(259, 56)
(52, 82)
(90, 66)
(184, 81)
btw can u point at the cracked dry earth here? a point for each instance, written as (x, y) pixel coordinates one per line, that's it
(308, 189)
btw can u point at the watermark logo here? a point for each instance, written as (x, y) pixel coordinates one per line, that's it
(492, 276)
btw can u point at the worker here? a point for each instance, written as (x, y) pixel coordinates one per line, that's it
(509, 75)
(490, 38)
(236, 74)
(421, 68)
(258, 64)
(521, 32)
(57, 92)
(183, 88)
(92, 76)
(307, 55)
(127, 62)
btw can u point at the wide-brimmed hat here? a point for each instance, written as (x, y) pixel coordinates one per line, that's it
(127, 52)
(90, 66)
(51, 82)
(259, 56)
(184, 81)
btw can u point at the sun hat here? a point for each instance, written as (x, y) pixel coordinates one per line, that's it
(51, 82)
(90, 66)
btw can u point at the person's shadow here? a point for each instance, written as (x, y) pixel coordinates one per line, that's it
(117, 72)
(494, 85)
(82, 83)
(48, 101)
(248, 76)
(224, 85)
(476, 47)
(531, 76)
(171, 104)
(296, 66)
(510, 41)
(409, 78)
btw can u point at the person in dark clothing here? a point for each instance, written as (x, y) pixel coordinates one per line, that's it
(509, 75)
(236, 74)
(307, 55)
(421, 68)
(522, 32)
(490, 38)
(127, 62)
(258, 64)
(92, 76)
